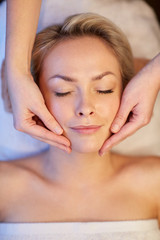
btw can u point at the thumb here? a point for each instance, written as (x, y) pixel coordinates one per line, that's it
(49, 121)
(121, 116)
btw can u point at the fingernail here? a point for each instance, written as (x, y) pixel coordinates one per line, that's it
(58, 130)
(68, 150)
(115, 128)
(101, 154)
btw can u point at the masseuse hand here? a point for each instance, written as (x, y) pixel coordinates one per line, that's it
(29, 110)
(31, 114)
(137, 104)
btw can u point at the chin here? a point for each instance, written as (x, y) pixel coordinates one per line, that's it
(88, 143)
(87, 146)
(82, 148)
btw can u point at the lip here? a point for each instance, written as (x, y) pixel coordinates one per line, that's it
(86, 129)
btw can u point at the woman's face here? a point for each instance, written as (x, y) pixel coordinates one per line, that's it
(81, 84)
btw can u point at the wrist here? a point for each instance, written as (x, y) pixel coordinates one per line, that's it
(155, 70)
(13, 68)
(18, 59)
(151, 72)
(156, 63)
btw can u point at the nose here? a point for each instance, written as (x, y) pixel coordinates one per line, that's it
(85, 107)
(85, 113)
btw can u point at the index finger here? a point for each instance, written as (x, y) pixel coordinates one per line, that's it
(38, 131)
(128, 129)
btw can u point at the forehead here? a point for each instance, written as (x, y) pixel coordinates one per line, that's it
(81, 54)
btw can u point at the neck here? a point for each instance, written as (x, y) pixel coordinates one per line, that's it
(77, 169)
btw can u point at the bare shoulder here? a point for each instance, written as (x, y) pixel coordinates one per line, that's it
(144, 179)
(12, 177)
(140, 170)
(15, 177)
(21, 166)
(12, 171)
(151, 169)
(9, 184)
(8, 173)
(146, 164)
(149, 165)
(144, 172)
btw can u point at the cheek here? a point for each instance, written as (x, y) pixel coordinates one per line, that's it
(110, 109)
(114, 107)
(60, 109)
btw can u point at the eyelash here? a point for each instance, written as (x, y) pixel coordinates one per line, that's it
(58, 94)
(105, 91)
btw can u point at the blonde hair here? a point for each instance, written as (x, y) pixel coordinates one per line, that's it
(85, 24)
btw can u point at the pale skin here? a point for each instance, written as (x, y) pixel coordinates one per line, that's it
(22, 21)
(28, 102)
(139, 98)
(81, 186)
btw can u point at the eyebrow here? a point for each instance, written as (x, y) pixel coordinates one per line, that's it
(69, 79)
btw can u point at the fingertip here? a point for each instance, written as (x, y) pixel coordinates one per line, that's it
(69, 150)
(58, 130)
(50, 122)
(101, 154)
(105, 149)
(115, 128)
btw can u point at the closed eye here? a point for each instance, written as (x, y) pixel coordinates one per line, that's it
(58, 94)
(105, 91)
